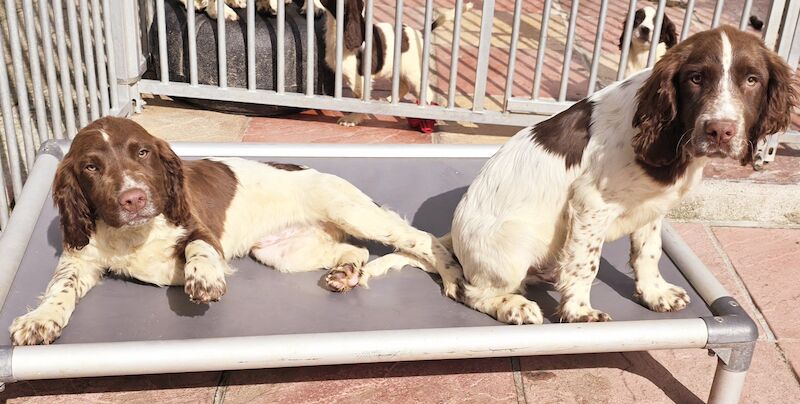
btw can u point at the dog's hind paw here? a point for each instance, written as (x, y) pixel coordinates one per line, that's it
(343, 278)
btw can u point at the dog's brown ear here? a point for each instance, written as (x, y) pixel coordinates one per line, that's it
(176, 209)
(656, 144)
(780, 98)
(669, 34)
(75, 214)
(353, 24)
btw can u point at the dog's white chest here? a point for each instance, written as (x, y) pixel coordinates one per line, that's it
(145, 253)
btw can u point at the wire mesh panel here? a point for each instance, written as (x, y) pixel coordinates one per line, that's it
(55, 74)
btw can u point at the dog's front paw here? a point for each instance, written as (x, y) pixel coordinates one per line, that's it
(516, 309)
(35, 328)
(661, 296)
(582, 313)
(205, 282)
(351, 120)
(343, 278)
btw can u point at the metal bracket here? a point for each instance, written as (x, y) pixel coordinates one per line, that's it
(5, 365)
(731, 334)
(52, 148)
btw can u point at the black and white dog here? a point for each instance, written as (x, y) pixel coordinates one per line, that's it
(382, 50)
(644, 22)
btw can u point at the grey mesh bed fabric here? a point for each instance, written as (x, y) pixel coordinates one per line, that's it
(270, 319)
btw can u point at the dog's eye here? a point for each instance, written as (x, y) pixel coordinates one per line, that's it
(752, 80)
(90, 167)
(143, 153)
(696, 78)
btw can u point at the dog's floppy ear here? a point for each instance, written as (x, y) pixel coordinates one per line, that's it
(656, 144)
(780, 98)
(75, 214)
(669, 35)
(176, 210)
(353, 24)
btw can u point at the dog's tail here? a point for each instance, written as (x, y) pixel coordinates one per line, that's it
(441, 261)
(446, 15)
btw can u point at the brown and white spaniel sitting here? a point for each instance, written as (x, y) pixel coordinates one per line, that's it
(128, 205)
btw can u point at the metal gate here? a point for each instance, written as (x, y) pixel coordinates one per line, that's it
(510, 62)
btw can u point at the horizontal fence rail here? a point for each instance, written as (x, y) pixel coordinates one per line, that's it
(497, 62)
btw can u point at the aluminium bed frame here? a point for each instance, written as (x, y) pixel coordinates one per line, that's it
(269, 319)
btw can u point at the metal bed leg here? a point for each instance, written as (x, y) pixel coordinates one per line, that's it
(730, 375)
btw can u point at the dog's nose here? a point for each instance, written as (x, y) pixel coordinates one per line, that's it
(644, 31)
(132, 200)
(721, 130)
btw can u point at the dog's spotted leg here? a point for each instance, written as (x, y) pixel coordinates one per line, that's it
(651, 289)
(72, 279)
(205, 272)
(589, 219)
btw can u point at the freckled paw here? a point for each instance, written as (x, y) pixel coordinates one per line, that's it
(584, 314)
(519, 310)
(343, 278)
(663, 297)
(34, 329)
(204, 291)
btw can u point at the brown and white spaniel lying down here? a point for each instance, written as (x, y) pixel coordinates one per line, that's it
(128, 205)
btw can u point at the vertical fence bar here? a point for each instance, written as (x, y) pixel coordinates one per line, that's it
(35, 70)
(192, 37)
(14, 162)
(162, 41)
(398, 33)
(454, 50)
(311, 42)
(573, 20)
(251, 44)
(337, 92)
(748, 5)
(3, 199)
(367, 56)
(626, 40)
(102, 72)
(281, 76)
(484, 47)
(717, 13)
(540, 52)
(426, 54)
(91, 75)
(687, 19)
(512, 53)
(598, 46)
(50, 67)
(63, 65)
(23, 108)
(655, 36)
(222, 55)
(110, 56)
(77, 63)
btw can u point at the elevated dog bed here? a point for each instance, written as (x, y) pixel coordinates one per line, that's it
(265, 29)
(270, 319)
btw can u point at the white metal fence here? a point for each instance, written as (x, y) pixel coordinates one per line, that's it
(512, 62)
